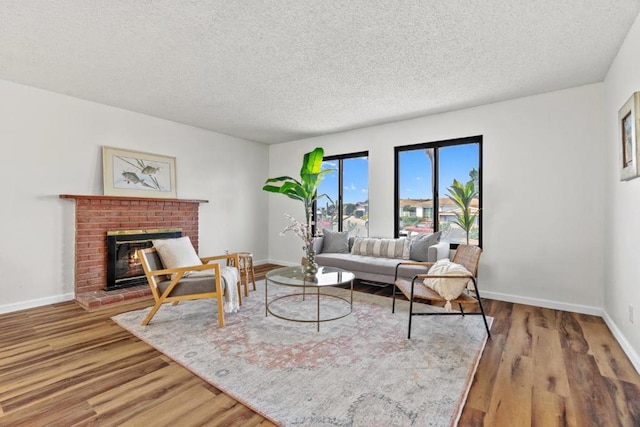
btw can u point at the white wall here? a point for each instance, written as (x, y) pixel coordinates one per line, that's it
(51, 145)
(622, 201)
(543, 189)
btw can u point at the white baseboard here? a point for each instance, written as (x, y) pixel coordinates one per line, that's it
(633, 356)
(23, 305)
(283, 263)
(261, 261)
(574, 308)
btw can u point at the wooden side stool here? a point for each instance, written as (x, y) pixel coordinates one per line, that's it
(247, 274)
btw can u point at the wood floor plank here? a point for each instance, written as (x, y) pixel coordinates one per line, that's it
(236, 416)
(472, 417)
(550, 410)
(15, 359)
(502, 313)
(164, 376)
(61, 365)
(545, 317)
(212, 409)
(174, 408)
(611, 360)
(47, 383)
(16, 356)
(220, 405)
(550, 372)
(590, 398)
(85, 337)
(51, 414)
(153, 399)
(511, 400)
(626, 397)
(484, 381)
(571, 334)
(44, 372)
(520, 341)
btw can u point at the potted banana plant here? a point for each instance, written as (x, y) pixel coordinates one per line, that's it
(303, 190)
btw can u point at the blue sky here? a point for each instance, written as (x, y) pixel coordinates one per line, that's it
(356, 188)
(415, 178)
(415, 170)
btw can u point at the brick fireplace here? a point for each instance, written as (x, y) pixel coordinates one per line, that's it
(95, 215)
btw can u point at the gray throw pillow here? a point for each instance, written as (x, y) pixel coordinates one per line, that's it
(420, 246)
(336, 242)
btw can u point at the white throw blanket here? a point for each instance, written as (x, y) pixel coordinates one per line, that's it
(229, 277)
(448, 289)
(231, 299)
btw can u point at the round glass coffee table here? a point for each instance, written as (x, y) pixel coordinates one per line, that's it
(309, 288)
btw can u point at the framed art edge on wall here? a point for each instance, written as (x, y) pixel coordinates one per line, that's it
(628, 131)
(130, 173)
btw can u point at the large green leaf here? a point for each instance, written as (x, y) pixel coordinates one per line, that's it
(312, 162)
(281, 178)
(290, 189)
(311, 175)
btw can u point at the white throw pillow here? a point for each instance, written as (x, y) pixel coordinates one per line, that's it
(177, 253)
(448, 289)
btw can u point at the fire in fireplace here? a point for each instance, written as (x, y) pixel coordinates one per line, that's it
(123, 266)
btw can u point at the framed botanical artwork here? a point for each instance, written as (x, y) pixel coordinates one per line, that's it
(628, 125)
(137, 174)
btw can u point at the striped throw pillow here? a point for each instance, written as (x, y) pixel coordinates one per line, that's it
(387, 248)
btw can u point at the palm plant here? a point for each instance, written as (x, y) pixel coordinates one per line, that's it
(304, 189)
(462, 195)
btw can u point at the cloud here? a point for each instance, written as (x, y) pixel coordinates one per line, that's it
(351, 187)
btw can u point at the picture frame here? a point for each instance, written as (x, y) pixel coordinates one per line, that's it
(629, 132)
(129, 173)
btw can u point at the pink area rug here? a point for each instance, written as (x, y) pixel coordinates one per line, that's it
(357, 371)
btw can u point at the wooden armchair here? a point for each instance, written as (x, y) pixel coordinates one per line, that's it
(171, 284)
(415, 289)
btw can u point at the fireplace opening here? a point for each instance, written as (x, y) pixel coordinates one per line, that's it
(123, 266)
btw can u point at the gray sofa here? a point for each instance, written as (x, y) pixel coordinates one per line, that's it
(376, 268)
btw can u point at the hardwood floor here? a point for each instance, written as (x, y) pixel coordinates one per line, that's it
(63, 366)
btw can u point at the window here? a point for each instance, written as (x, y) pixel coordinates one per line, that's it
(425, 174)
(348, 190)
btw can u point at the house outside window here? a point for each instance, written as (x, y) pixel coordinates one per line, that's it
(423, 174)
(347, 208)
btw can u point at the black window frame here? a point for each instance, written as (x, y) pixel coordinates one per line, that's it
(340, 158)
(436, 145)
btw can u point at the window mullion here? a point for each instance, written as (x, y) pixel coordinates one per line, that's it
(436, 195)
(340, 193)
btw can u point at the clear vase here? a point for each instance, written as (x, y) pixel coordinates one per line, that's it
(309, 265)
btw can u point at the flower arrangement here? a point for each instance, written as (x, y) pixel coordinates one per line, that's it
(302, 230)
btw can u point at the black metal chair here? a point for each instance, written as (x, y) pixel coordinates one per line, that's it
(415, 290)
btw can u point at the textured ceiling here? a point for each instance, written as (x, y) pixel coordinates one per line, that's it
(275, 71)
